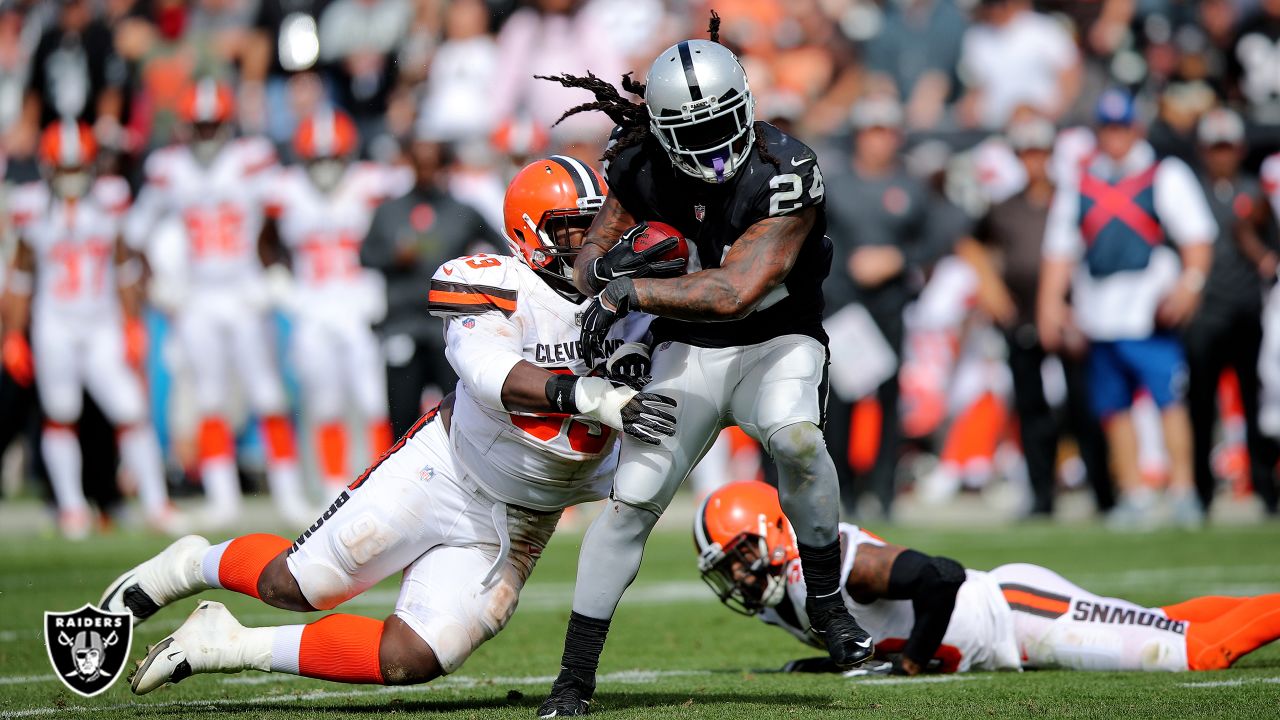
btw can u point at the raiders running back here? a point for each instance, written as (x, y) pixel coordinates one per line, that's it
(713, 216)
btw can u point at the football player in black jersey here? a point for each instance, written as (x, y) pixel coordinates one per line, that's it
(738, 340)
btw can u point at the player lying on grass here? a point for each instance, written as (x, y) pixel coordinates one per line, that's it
(464, 503)
(930, 614)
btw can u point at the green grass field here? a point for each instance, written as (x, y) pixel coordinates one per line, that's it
(673, 651)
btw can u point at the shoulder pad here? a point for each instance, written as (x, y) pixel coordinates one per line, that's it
(158, 167)
(1270, 174)
(112, 192)
(257, 153)
(475, 284)
(27, 202)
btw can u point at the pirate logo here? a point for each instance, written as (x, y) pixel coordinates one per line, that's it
(88, 647)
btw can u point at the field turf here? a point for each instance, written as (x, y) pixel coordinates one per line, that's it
(673, 651)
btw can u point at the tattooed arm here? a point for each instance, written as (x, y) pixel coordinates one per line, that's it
(606, 228)
(757, 263)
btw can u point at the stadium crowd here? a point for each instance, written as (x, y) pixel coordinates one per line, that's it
(973, 152)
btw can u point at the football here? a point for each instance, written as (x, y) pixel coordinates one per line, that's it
(656, 233)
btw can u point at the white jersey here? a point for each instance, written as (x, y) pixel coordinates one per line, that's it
(979, 637)
(74, 246)
(221, 206)
(1270, 175)
(498, 312)
(323, 231)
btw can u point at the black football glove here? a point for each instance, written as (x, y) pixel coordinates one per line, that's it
(629, 365)
(648, 417)
(645, 416)
(602, 312)
(622, 260)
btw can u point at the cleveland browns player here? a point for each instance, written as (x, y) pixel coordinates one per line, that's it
(216, 184)
(318, 215)
(463, 504)
(79, 289)
(739, 340)
(930, 614)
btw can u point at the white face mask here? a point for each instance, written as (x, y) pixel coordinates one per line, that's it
(326, 173)
(74, 184)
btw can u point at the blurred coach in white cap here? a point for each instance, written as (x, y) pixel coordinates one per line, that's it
(1226, 331)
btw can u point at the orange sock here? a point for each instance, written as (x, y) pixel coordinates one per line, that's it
(1217, 644)
(379, 437)
(237, 564)
(331, 442)
(278, 434)
(342, 648)
(1203, 609)
(214, 440)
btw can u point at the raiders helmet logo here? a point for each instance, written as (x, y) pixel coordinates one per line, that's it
(88, 647)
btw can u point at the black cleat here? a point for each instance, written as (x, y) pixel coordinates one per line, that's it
(847, 643)
(570, 694)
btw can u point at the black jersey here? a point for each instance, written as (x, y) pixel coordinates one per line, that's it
(713, 217)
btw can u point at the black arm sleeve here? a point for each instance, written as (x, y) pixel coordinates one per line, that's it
(931, 584)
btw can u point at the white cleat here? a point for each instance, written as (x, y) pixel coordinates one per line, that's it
(172, 575)
(211, 640)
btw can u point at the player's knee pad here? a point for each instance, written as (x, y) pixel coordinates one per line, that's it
(333, 570)
(798, 446)
(323, 586)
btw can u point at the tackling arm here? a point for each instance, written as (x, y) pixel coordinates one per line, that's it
(931, 584)
(757, 263)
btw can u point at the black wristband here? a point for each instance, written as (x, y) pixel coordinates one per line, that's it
(621, 293)
(560, 393)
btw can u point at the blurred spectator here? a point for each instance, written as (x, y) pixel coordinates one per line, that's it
(1226, 332)
(359, 42)
(286, 41)
(1101, 25)
(1006, 255)
(877, 215)
(1254, 71)
(14, 64)
(408, 239)
(75, 73)
(1131, 296)
(549, 37)
(1013, 57)
(172, 42)
(916, 52)
(455, 104)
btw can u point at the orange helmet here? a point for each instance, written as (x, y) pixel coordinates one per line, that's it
(327, 134)
(548, 196)
(67, 144)
(744, 544)
(207, 101)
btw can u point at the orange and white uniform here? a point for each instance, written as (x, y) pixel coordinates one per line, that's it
(1023, 616)
(77, 334)
(980, 636)
(222, 322)
(468, 510)
(334, 302)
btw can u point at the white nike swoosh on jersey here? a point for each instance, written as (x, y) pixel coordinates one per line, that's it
(797, 162)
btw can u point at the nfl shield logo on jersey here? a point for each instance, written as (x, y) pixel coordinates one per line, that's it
(699, 212)
(88, 647)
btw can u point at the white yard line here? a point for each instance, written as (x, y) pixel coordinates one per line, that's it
(919, 680)
(24, 679)
(459, 682)
(1231, 683)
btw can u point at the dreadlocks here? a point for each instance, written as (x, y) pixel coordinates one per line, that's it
(632, 118)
